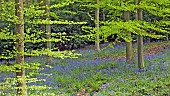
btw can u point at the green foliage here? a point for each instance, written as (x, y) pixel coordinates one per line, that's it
(34, 40)
(72, 12)
(67, 17)
(115, 26)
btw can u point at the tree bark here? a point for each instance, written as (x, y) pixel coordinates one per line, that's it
(97, 45)
(129, 49)
(140, 39)
(104, 16)
(20, 74)
(167, 37)
(47, 27)
(48, 30)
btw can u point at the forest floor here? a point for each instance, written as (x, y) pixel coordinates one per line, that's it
(150, 48)
(103, 73)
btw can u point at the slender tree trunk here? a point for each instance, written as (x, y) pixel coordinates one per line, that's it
(97, 45)
(129, 49)
(104, 16)
(167, 37)
(140, 39)
(47, 28)
(20, 74)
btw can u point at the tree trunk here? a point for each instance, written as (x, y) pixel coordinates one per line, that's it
(104, 16)
(167, 37)
(140, 39)
(97, 45)
(20, 74)
(129, 49)
(47, 28)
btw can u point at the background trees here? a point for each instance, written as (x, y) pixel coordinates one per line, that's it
(29, 33)
(71, 25)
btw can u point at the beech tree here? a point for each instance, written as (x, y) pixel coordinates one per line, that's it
(46, 27)
(129, 49)
(27, 21)
(94, 32)
(21, 82)
(26, 31)
(115, 26)
(97, 45)
(139, 38)
(157, 8)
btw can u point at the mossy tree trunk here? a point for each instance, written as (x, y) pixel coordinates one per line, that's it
(139, 15)
(97, 45)
(20, 74)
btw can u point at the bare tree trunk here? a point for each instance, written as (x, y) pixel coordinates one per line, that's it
(129, 49)
(47, 28)
(104, 16)
(140, 38)
(97, 45)
(167, 37)
(20, 74)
